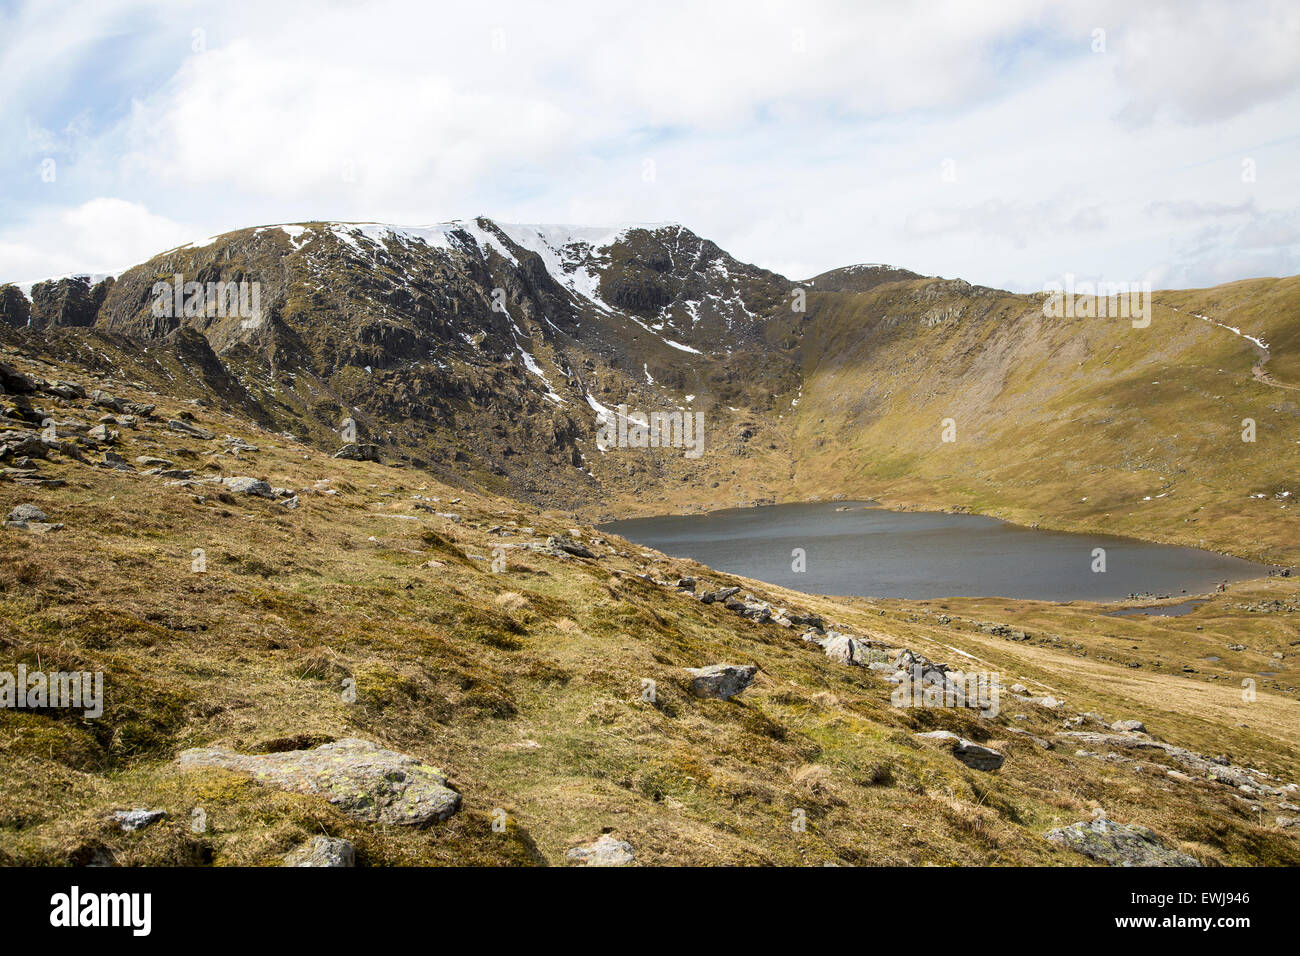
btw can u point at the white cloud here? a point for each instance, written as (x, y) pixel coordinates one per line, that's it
(102, 235)
(801, 136)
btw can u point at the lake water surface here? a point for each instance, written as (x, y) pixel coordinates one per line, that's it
(872, 552)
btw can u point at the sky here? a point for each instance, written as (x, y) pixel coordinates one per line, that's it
(1009, 144)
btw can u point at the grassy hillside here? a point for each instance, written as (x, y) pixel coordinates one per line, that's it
(1068, 423)
(525, 686)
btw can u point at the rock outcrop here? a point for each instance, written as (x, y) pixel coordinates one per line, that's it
(722, 681)
(362, 779)
(1119, 844)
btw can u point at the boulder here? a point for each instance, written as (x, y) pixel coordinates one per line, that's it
(603, 851)
(562, 542)
(1118, 844)
(323, 851)
(845, 649)
(28, 513)
(361, 778)
(115, 461)
(15, 382)
(723, 681)
(358, 452)
(185, 428)
(102, 399)
(806, 620)
(249, 486)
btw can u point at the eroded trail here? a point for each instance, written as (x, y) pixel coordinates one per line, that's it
(1257, 370)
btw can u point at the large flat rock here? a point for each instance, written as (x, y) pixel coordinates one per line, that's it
(362, 779)
(1119, 844)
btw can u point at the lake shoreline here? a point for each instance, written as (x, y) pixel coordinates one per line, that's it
(1034, 563)
(883, 503)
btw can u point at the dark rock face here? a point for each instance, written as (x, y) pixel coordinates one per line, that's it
(15, 310)
(15, 382)
(72, 302)
(474, 348)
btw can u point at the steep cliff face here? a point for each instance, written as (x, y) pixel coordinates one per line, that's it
(489, 353)
(72, 301)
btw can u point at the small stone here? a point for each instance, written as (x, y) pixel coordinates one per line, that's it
(138, 819)
(1129, 726)
(603, 851)
(323, 851)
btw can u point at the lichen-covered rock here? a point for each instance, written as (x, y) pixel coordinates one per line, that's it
(845, 649)
(362, 779)
(1129, 726)
(603, 851)
(27, 512)
(1244, 779)
(28, 517)
(723, 681)
(323, 851)
(1118, 844)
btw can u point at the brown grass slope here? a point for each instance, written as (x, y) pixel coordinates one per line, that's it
(1065, 422)
(525, 685)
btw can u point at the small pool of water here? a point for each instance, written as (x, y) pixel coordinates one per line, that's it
(1163, 610)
